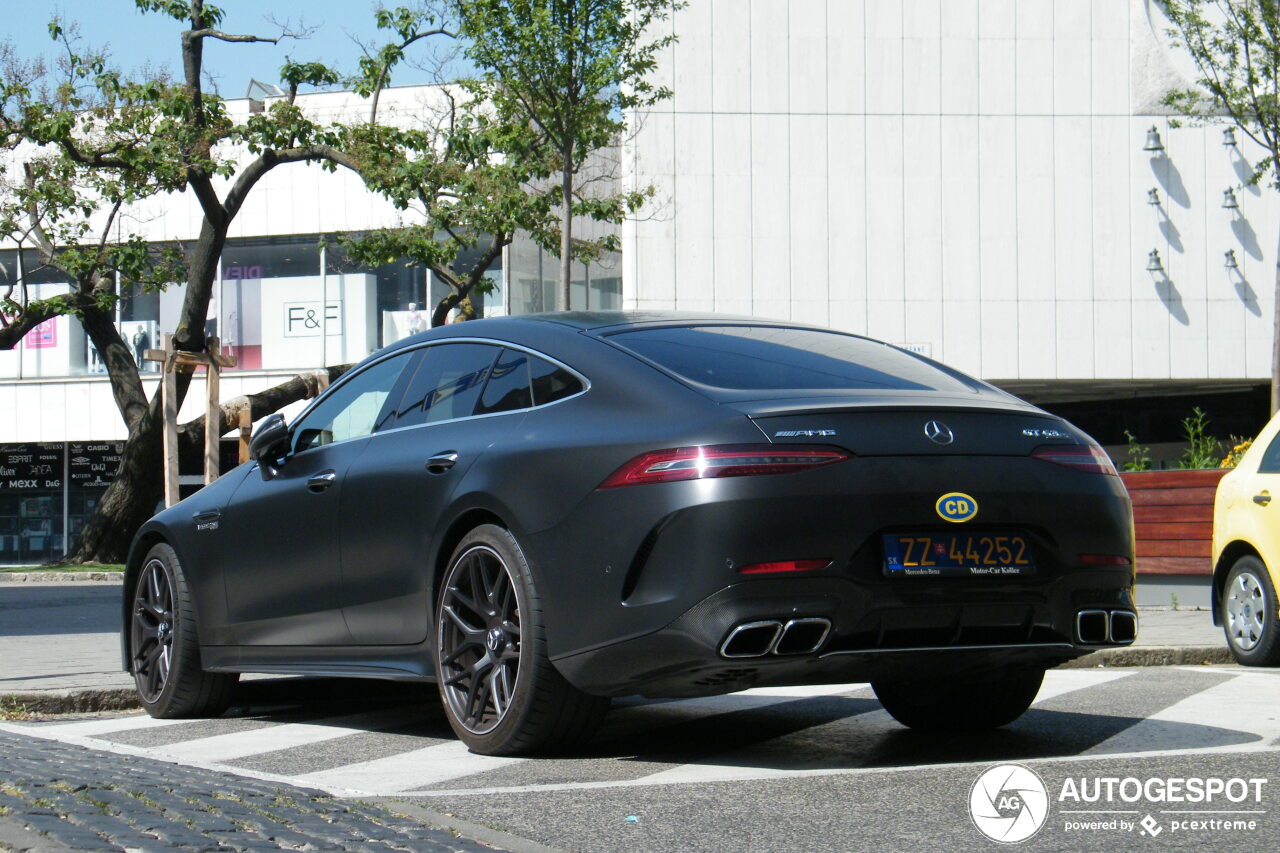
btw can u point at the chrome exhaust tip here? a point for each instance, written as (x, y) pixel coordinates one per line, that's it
(1124, 626)
(1092, 627)
(803, 636)
(751, 639)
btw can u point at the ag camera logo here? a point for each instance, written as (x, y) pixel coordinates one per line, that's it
(1009, 803)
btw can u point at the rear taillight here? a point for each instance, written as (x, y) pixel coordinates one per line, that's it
(1082, 457)
(784, 566)
(1104, 559)
(738, 460)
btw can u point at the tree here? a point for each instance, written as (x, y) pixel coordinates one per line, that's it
(568, 72)
(465, 177)
(1235, 45)
(96, 141)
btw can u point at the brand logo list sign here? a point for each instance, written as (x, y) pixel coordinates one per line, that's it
(312, 319)
(1009, 803)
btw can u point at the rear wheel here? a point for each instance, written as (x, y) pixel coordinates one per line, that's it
(960, 705)
(500, 692)
(164, 649)
(1249, 614)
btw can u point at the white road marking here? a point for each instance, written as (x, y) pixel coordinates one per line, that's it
(1246, 702)
(226, 747)
(417, 768)
(89, 728)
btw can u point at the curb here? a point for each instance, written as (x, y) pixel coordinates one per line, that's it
(60, 577)
(74, 702)
(1153, 656)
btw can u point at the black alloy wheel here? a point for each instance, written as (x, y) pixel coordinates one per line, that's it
(152, 630)
(164, 650)
(479, 640)
(500, 691)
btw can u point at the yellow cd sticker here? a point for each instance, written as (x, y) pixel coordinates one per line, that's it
(956, 506)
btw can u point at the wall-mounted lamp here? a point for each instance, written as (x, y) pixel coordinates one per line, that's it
(1230, 263)
(1153, 197)
(1229, 137)
(1229, 200)
(1153, 262)
(1153, 143)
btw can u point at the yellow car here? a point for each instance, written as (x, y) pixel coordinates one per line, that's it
(1246, 550)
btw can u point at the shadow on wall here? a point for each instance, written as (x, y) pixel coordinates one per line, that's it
(1170, 179)
(1247, 296)
(1171, 233)
(1244, 171)
(1248, 238)
(1172, 300)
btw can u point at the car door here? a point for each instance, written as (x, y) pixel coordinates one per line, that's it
(283, 570)
(1258, 505)
(462, 398)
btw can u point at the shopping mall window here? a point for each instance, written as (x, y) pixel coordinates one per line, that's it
(535, 275)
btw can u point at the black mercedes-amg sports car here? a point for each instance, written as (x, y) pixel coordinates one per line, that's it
(543, 512)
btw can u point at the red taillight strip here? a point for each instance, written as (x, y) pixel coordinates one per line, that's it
(1103, 559)
(784, 566)
(1082, 457)
(736, 460)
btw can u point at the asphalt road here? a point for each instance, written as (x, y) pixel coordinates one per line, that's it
(59, 608)
(781, 770)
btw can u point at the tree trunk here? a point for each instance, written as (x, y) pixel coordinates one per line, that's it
(563, 303)
(1275, 338)
(130, 499)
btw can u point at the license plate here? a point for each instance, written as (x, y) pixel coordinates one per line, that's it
(957, 555)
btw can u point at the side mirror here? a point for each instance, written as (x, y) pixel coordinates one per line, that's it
(270, 442)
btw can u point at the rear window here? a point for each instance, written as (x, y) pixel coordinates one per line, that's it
(766, 358)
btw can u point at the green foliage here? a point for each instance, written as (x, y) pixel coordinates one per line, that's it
(1203, 450)
(1235, 45)
(559, 79)
(1139, 456)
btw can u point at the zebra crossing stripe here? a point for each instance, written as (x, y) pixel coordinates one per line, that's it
(419, 768)
(233, 745)
(1244, 703)
(92, 728)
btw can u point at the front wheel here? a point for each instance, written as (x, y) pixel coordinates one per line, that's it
(500, 691)
(1249, 614)
(959, 704)
(164, 650)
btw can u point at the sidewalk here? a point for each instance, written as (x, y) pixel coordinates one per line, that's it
(60, 645)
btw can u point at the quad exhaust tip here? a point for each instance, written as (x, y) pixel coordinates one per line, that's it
(1100, 627)
(772, 636)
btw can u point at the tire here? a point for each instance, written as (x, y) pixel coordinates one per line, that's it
(1248, 609)
(164, 647)
(960, 705)
(500, 692)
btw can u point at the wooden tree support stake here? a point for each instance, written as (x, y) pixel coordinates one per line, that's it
(174, 362)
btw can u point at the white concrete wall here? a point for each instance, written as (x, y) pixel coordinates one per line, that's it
(966, 175)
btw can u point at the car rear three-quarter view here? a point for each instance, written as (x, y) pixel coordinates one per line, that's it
(544, 512)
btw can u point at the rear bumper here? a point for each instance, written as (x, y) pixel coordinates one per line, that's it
(900, 630)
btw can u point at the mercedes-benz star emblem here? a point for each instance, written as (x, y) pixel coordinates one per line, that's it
(938, 432)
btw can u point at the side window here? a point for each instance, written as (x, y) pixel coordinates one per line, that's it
(1270, 463)
(551, 383)
(352, 409)
(508, 387)
(446, 385)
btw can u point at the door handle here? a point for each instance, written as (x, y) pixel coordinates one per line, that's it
(322, 481)
(442, 462)
(1262, 499)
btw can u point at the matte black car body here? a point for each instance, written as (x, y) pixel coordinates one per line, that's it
(642, 584)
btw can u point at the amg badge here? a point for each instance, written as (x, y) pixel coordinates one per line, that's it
(805, 433)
